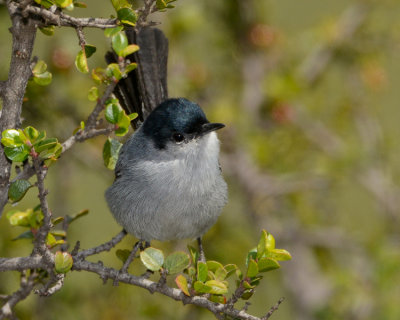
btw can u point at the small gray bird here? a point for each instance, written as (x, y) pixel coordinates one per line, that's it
(168, 183)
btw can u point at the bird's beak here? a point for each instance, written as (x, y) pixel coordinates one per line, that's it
(209, 127)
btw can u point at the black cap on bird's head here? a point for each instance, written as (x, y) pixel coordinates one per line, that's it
(177, 120)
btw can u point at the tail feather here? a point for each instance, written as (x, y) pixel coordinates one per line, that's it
(145, 87)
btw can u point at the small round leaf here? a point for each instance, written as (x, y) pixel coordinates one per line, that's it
(152, 258)
(182, 284)
(119, 42)
(176, 262)
(62, 262)
(18, 189)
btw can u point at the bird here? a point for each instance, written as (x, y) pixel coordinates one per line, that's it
(168, 182)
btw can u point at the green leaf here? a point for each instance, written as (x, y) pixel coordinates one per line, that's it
(123, 254)
(50, 240)
(45, 144)
(63, 3)
(19, 218)
(194, 254)
(247, 294)
(51, 155)
(202, 271)
(130, 67)
(119, 42)
(113, 70)
(80, 4)
(279, 254)
(252, 254)
(112, 31)
(221, 274)
(98, 75)
(270, 242)
(230, 269)
(81, 62)
(93, 94)
(214, 265)
(62, 262)
(252, 269)
(123, 125)
(217, 299)
(132, 48)
(24, 235)
(200, 287)
(217, 287)
(182, 284)
(161, 4)
(247, 285)
(48, 31)
(31, 133)
(59, 233)
(176, 262)
(118, 4)
(43, 79)
(239, 273)
(133, 116)
(127, 16)
(40, 67)
(35, 217)
(57, 220)
(89, 50)
(70, 7)
(152, 258)
(262, 244)
(77, 216)
(113, 113)
(256, 281)
(110, 153)
(18, 189)
(11, 138)
(45, 3)
(267, 264)
(18, 154)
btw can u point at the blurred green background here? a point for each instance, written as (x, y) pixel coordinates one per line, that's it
(309, 93)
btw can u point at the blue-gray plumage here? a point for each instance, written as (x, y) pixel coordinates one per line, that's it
(168, 181)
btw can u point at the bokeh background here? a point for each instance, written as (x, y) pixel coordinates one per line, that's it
(309, 91)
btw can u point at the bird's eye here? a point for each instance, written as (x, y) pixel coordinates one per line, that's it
(178, 137)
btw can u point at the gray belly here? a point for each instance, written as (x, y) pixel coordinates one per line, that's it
(167, 211)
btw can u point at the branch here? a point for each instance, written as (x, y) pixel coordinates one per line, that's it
(82, 135)
(103, 247)
(40, 247)
(273, 309)
(60, 18)
(26, 288)
(148, 8)
(20, 263)
(13, 90)
(176, 294)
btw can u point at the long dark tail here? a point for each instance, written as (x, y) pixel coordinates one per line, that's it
(145, 87)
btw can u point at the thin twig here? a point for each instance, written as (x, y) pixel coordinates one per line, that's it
(103, 247)
(129, 260)
(273, 309)
(40, 247)
(55, 283)
(27, 284)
